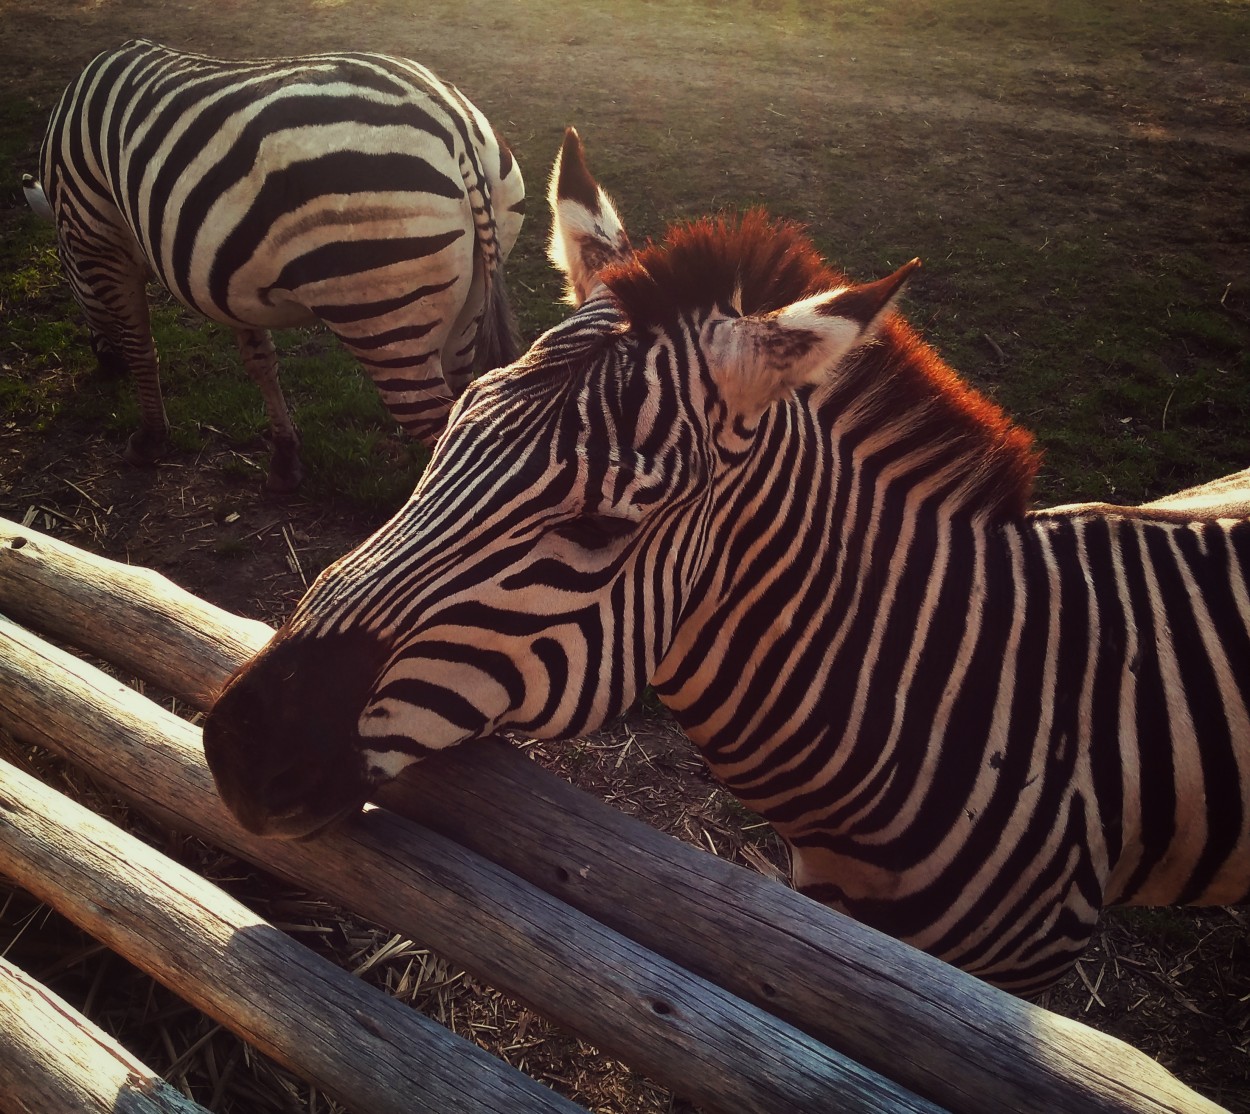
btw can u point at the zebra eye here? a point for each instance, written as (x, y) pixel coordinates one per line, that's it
(595, 531)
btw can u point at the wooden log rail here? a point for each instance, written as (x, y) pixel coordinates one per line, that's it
(734, 990)
(52, 1058)
(295, 1006)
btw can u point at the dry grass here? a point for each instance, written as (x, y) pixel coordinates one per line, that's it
(1072, 175)
(208, 1063)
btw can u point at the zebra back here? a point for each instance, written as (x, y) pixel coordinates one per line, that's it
(354, 189)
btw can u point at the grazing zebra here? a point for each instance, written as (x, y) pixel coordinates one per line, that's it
(735, 474)
(353, 189)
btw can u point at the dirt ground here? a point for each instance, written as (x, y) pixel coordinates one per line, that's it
(1176, 984)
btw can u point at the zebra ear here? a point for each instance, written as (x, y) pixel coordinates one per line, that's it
(759, 359)
(586, 233)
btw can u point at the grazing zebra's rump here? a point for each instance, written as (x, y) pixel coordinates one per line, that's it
(357, 190)
(735, 474)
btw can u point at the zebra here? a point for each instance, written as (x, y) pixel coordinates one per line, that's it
(735, 473)
(355, 189)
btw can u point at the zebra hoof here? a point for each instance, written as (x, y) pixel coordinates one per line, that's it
(285, 476)
(285, 470)
(144, 448)
(108, 364)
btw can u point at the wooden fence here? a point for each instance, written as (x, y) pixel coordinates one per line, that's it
(733, 990)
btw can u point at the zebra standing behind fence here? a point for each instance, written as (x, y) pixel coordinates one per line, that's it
(735, 474)
(357, 190)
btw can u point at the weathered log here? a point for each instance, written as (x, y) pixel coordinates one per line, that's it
(932, 1028)
(137, 613)
(356, 1043)
(694, 1036)
(53, 1060)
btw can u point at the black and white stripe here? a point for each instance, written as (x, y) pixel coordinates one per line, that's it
(974, 734)
(736, 476)
(353, 189)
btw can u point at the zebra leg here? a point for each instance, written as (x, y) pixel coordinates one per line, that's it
(418, 399)
(461, 350)
(401, 346)
(459, 354)
(108, 363)
(261, 360)
(147, 443)
(411, 384)
(122, 339)
(110, 287)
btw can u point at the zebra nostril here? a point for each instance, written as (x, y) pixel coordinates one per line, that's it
(289, 788)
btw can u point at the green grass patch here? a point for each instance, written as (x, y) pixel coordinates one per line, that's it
(1172, 929)
(233, 549)
(1079, 252)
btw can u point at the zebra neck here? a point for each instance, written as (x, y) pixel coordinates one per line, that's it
(1082, 676)
(819, 577)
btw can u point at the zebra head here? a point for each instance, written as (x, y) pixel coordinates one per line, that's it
(540, 570)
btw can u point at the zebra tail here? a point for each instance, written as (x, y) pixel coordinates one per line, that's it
(498, 341)
(36, 198)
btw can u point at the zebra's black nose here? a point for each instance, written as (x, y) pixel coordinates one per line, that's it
(281, 740)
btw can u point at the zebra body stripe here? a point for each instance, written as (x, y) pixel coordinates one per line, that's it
(354, 189)
(973, 724)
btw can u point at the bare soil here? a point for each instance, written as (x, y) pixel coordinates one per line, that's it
(1176, 984)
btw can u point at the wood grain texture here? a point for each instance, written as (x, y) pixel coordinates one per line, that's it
(722, 1053)
(151, 627)
(53, 1060)
(932, 1028)
(356, 1043)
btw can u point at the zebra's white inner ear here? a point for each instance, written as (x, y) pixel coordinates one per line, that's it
(586, 233)
(757, 360)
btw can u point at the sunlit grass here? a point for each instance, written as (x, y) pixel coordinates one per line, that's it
(1076, 276)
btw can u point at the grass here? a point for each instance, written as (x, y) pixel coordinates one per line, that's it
(1171, 926)
(352, 449)
(1072, 174)
(1089, 265)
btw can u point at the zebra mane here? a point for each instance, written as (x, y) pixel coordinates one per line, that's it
(759, 264)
